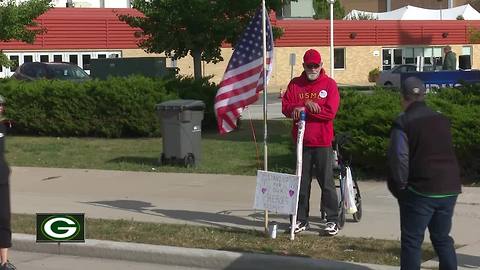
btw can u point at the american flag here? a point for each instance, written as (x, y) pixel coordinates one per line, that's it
(243, 78)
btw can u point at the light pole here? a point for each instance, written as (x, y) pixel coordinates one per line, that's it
(331, 2)
(441, 7)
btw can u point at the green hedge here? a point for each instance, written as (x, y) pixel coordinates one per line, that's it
(462, 107)
(118, 107)
(368, 118)
(188, 88)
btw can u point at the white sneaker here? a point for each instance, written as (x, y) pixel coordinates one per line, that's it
(300, 227)
(331, 228)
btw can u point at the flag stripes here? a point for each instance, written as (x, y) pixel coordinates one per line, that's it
(243, 79)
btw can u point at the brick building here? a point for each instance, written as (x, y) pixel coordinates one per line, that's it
(80, 34)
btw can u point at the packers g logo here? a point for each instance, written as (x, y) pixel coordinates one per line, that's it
(60, 228)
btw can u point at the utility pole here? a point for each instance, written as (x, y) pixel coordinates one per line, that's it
(331, 2)
(441, 7)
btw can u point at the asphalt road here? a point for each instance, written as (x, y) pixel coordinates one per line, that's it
(42, 261)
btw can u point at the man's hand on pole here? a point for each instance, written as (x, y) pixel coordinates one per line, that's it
(312, 107)
(296, 112)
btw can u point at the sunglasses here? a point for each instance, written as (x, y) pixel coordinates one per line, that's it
(312, 66)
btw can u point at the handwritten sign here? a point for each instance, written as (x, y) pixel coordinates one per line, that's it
(276, 192)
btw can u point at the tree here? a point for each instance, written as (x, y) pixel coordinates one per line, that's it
(196, 27)
(473, 35)
(322, 10)
(17, 22)
(475, 4)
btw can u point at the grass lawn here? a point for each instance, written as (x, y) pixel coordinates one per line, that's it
(233, 153)
(366, 250)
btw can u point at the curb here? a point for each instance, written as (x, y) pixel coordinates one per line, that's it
(188, 257)
(467, 258)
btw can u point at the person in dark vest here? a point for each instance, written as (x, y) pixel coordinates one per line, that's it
(424, 176)
(5, 230)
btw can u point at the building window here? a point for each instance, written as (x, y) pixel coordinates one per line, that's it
(86, 61)
(14, 59)
(408, 56)
(27, 58)
(57, 58)
(437, 58)
(339, 58)
(82, 59)
(465, 59)
(427, 56)
(387, 59)
(73, 59)
(397, 57)
(430, 57)
(466, 50)
(417, 52)
(44, 58)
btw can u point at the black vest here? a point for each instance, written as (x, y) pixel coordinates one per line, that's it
(3, 133)
(433, 166)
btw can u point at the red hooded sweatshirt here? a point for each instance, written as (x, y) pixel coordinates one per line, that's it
(323, 91)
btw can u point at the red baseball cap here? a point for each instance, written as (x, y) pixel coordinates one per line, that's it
(312, 57)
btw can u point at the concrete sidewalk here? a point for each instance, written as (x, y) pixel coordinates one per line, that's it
(213, 200)
(274, 108)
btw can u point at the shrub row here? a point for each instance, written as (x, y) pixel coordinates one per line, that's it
(188, 88)
(367, 118)
(117, 107)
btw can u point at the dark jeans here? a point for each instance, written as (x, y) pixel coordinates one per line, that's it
(318, 161)
(416, 214)
(5, 230)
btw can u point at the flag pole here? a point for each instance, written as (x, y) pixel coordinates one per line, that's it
(265, 147)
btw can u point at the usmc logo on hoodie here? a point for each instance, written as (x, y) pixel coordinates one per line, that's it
(321, 94)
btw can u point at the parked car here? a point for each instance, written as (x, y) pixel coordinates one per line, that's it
(51, 71)
(391, 77)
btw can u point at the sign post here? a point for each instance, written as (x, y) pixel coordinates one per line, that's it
(279, 192)
(301, 131)
(292, 64)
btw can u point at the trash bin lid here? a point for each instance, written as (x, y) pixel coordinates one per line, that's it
(181, 105)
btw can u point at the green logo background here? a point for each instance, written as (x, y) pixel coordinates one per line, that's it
(77, 218)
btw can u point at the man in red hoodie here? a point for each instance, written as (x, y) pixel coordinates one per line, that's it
(316, 94)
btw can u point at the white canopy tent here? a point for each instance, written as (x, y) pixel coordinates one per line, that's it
(416, 13)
